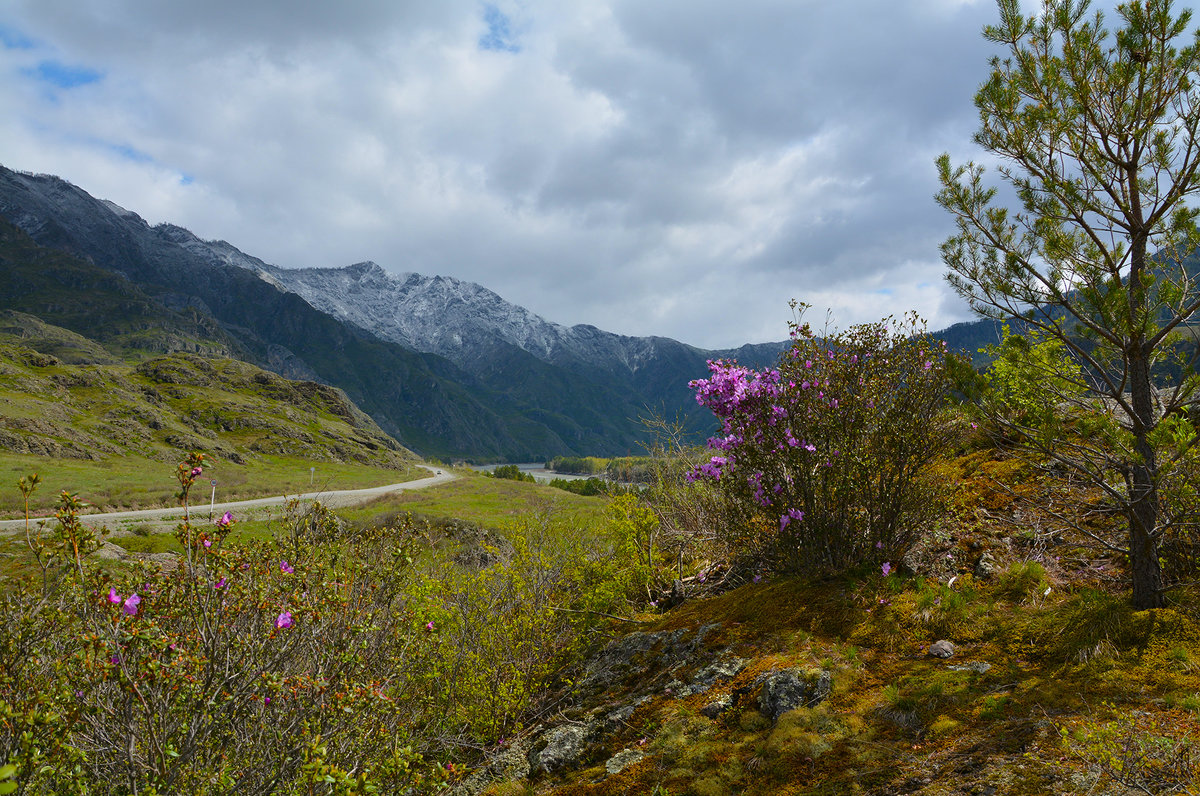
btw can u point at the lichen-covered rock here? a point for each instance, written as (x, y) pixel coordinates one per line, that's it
(941, 649)
(725, 669)
(559, 747)
(717, 706)
(790, 689)
(623, 760)
(111, 552)
(616, 720)
(510, 762)
(641, 661)
(978, 667)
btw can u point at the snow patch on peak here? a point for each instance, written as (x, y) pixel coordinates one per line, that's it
(117, 210)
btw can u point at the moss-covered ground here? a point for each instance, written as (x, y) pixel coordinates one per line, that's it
(1056, 685)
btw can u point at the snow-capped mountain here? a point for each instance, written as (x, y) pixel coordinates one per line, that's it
(459, 320)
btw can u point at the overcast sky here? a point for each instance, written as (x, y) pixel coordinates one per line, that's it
(668, 167)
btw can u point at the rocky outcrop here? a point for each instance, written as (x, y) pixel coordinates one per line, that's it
(790, 689)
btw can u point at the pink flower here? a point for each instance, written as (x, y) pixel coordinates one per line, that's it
(226, 520)
(197, 470)
(131, 604)
(887, 568)
(283, 621)
(429, 626)
(220, 584)
(113, 597)
(286, 568)
(207, 542)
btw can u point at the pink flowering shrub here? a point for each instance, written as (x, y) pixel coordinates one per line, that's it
(321, 661)
(224, 674)
(828, 456)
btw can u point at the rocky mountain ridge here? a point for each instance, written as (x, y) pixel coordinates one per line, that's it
(459, 320)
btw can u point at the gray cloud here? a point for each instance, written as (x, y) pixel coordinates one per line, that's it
(674, 168)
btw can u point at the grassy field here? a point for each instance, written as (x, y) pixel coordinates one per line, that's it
(490, 502)
(132, 482)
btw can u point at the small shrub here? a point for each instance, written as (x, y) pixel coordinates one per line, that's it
(829, 456)
(1022, 581)
(1092, 626)
(1141, 752)
(511, 472)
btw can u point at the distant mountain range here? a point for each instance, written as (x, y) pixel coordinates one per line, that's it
(448, 368)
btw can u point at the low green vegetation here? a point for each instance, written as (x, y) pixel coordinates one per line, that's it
(473, 497)
(380, 662)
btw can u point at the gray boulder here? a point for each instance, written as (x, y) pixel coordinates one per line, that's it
(559, 747)
(623, 760)
(791, 689)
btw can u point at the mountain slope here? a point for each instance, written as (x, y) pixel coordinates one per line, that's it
(483, 334)
(424, 400)
(99, 304)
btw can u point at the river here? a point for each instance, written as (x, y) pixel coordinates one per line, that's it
(536, 469)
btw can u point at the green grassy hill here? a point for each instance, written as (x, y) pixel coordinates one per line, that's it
(151, 413)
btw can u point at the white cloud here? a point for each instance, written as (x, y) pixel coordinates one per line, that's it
(673, 168)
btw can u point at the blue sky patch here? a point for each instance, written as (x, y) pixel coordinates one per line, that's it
(130, 154)
(13, 39)
(62, 75)
(499, 34)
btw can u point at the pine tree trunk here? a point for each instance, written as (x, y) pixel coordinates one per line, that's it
(1145, 569)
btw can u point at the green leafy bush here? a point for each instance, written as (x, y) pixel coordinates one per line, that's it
(512, 473)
